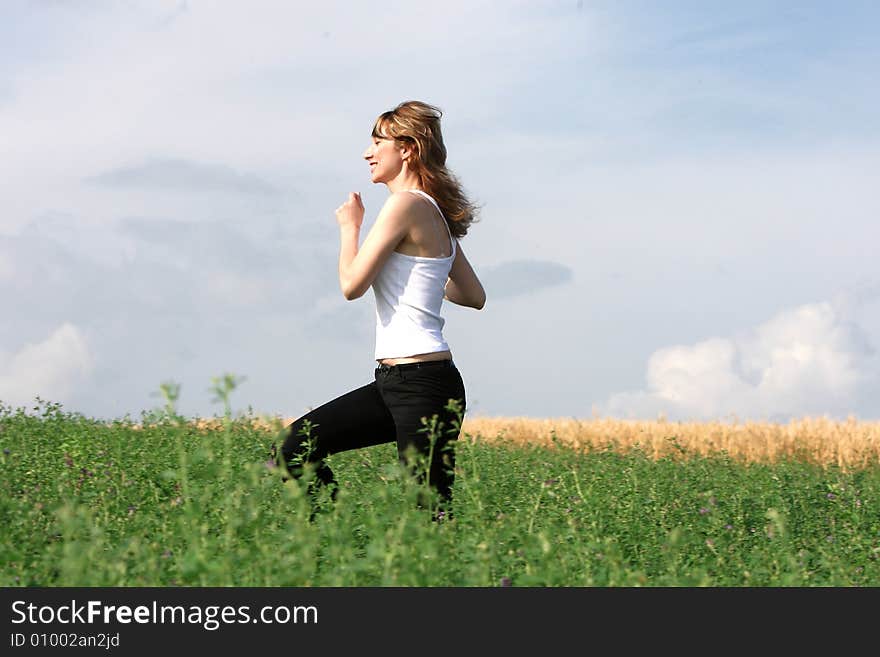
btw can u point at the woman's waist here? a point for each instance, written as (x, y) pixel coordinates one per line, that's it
(446, 354)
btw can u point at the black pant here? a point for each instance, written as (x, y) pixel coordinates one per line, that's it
(391, 408)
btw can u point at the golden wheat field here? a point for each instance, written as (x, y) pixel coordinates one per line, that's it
(847, 443)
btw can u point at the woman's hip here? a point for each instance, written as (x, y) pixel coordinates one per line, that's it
(417, 384)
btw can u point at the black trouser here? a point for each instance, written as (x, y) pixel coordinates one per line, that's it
(391, 408)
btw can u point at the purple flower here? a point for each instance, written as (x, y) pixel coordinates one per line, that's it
(831, 496)
(505, 581)
(7, 452)
(703, 510)
(728, 526)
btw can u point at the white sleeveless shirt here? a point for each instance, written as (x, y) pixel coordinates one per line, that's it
(409, 294)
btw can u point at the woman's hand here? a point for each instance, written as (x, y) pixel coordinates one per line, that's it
(351, 213)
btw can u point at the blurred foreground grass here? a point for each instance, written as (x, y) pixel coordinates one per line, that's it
(179, 503)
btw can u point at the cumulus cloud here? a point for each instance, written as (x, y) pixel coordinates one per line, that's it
(50, 369)
(807, 361)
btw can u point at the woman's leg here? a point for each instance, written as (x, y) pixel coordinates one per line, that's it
(356, 419)
(417, 393)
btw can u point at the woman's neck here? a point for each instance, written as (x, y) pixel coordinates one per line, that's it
(404, 180)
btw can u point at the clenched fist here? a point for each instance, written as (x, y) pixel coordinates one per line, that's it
(351, 213)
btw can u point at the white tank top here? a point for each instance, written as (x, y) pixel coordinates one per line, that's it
(409, 294)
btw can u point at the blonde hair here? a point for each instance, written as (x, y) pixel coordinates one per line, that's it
(417, 125)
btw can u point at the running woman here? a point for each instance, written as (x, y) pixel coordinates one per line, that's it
(413, 260)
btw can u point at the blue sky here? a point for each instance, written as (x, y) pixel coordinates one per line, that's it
(679, 214)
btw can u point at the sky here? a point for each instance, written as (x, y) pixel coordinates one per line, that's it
(677, 217)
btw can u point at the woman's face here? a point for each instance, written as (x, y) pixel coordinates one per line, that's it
(384, 158)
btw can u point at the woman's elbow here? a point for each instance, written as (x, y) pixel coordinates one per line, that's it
(351, 293)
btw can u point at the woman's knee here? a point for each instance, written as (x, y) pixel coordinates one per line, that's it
(300, 441)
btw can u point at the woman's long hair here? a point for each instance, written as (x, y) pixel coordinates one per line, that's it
(417, 125)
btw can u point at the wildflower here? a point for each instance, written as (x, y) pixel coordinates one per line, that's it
(7, 452)
(831, 496)
(710, 542)
(728, 526)
(505, 581)
(703, 510)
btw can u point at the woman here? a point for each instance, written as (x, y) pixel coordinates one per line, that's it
(411, 259)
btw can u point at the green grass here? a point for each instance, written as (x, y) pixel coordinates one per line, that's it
(85, 504)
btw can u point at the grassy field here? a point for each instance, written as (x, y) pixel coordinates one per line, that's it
(558, 503)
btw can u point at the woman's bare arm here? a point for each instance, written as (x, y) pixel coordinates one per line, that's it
(463, 287)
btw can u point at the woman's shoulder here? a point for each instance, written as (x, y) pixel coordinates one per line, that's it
(404, 197)
(400, 208)
(403, 202)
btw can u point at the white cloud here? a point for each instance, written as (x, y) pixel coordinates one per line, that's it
(683, 167)
(271, 90)
(49, 369)
(807, 361)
